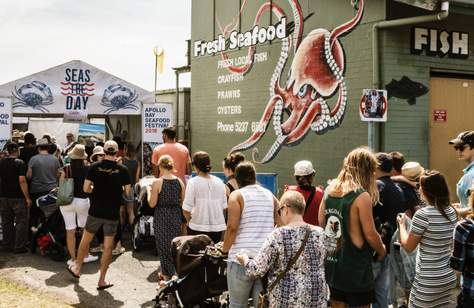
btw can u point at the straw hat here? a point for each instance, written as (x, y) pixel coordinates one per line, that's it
(412, 171)
(78, 152)
(42, 142)
(98, 150)
(17, 134)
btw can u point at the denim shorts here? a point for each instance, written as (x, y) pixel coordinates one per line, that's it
(93, 224)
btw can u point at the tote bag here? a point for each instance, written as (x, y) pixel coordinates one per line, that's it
(66, 189)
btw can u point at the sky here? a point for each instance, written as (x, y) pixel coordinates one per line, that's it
(117, 36)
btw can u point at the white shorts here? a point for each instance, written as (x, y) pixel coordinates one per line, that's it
(78, 208)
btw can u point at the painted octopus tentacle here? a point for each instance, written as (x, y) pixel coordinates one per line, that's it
(275, 80)
(298, 19)
(261, 128)
(274, 149)
(348, 25)
(246, 67)
(337, 113)
(305, 124)
(322, 123)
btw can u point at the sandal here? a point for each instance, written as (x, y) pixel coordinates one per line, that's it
(105, 286)
(69, 269)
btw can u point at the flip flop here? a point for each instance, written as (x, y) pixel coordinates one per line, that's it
(69, 269)
(105, 286)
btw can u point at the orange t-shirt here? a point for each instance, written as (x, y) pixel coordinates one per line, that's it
(178, 152)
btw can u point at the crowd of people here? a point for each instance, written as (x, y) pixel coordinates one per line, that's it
(381, 225)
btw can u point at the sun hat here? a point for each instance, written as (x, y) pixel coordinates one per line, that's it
(43, 142)
(17, 134)
(78, 152)
(412, 170)
(111, 146)
(98, 150)
(303, 168)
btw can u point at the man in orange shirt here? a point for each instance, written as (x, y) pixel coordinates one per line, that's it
(179, 153)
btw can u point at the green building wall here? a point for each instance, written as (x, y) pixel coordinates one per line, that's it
(407, 126)
(407, 129)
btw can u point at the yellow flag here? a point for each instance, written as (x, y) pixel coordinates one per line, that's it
(160, 55)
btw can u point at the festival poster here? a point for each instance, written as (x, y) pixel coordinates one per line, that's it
(155, 118)
(5, 120)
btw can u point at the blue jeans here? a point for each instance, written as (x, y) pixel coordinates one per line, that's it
(241, 286)
(381, 272)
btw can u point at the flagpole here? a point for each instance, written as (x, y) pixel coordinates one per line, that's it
(156, 75)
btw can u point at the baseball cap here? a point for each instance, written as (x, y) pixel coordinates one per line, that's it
(303, 168)
(111, 146)
(466, 137)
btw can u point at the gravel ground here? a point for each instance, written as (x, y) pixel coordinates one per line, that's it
(133, 274)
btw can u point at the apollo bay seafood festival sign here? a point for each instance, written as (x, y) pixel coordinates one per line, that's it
(5, 120)
(155, 118)
(75, 86)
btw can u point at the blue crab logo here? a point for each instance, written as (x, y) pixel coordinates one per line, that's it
(118, 97)
(34, 95)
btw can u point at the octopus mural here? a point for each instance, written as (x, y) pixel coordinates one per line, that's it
(317, 74)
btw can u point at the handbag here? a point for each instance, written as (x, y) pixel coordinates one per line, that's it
(66, 189)
(263, 296)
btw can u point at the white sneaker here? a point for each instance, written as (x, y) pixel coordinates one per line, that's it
(97, 249)
(70, 262)
(90, 258)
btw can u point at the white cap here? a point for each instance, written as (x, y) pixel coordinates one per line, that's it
(303, 168)
(111, 146)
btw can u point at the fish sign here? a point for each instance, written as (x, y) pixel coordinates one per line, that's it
(405, 88)
(440, 43)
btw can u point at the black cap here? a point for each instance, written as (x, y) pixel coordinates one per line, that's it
(11, 147)
(463, 138)
(385, 161)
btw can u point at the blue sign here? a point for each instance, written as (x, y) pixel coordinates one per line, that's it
(267, 180)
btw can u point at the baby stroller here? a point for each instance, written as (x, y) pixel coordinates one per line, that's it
(50, 235)
(143, 225)
(201, 270)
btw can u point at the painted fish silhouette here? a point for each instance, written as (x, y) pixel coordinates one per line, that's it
(407, 89)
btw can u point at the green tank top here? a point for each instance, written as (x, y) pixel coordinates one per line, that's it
(348, 268)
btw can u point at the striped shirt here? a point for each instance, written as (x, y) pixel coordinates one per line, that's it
(434, 279)
(256, 222)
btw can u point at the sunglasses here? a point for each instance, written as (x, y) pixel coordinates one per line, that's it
(280, 210)
(460, 147)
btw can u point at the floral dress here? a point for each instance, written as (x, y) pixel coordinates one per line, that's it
(304, 285)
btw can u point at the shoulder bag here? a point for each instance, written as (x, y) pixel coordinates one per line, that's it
(66, 188)
(263, 296)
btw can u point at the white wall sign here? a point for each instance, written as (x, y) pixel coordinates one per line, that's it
(75, 116)
(5, 120)
(373, 105)
(78, 86)
(155, 118)
(440, 43)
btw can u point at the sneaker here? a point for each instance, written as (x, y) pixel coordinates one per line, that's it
(97, 249)
(118, 250)
(70, 262)
(90, 258)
